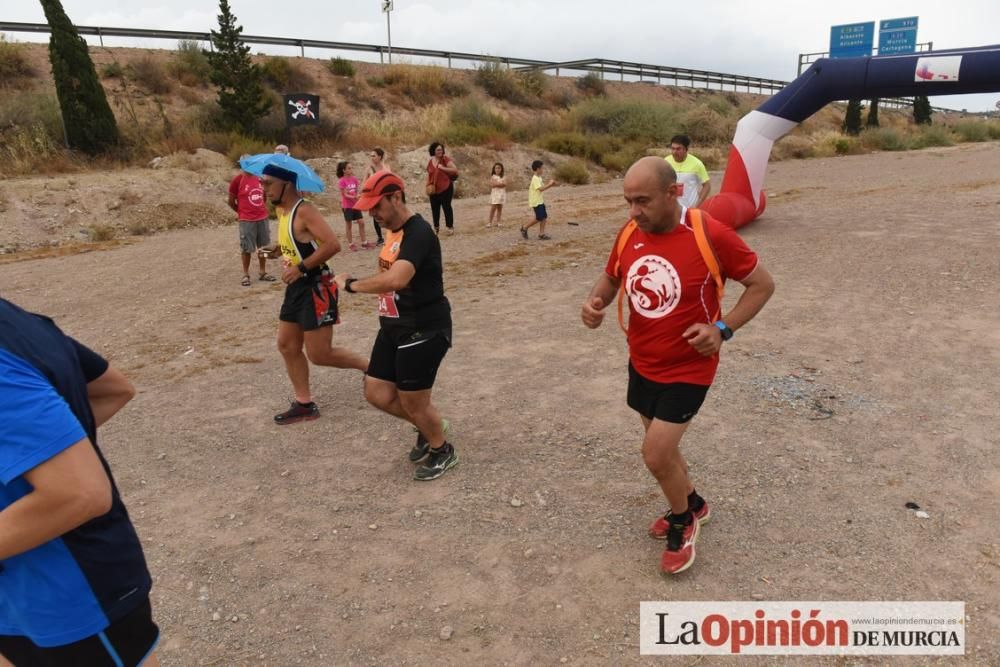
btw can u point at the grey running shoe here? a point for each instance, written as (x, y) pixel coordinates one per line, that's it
(437, 463)
(419, 450)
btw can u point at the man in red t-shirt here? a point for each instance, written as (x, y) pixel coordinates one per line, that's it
(674, 332)
(246, 197)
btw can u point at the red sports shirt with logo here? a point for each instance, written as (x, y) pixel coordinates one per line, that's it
(669, 287)
(250, 205)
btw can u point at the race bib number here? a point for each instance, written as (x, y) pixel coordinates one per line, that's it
(387, 305)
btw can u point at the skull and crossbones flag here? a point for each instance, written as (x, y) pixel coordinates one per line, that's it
(301, 109)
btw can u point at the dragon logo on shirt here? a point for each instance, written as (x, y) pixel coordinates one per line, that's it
(653, 286)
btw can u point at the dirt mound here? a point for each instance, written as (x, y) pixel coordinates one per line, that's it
(201, 159)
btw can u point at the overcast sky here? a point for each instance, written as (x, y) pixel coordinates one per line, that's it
(734, 36)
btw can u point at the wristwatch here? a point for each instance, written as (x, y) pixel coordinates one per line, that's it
(727, 333)
(348, 283)
(302, 267)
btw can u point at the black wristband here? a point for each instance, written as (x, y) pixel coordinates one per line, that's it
(302, 267)
(348, 283)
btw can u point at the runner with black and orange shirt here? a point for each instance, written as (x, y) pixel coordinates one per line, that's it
(414, 319)
(675, 329)
(309, 309)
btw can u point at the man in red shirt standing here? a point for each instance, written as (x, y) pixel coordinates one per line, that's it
(246, 197)
(674, 331)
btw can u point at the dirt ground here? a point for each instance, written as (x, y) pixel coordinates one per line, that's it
(866, 383)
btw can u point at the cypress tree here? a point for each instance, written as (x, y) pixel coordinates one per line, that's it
(921, 110)
(241, 92)
(90, 124)
(872, 114)
(852, 119)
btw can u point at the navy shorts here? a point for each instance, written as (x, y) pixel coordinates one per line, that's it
(540, 213)
(674, 402)
(125, 643)
(410, 363)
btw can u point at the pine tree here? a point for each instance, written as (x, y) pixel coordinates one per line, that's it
(852, 119)
(242, 98)
(921, 110)
(872, 114)
(87, 116)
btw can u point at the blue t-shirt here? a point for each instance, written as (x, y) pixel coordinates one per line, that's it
(76, 585)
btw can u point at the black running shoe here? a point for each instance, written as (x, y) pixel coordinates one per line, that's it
(419, 450)
(437, 463)
(299, 412)
(524, 233)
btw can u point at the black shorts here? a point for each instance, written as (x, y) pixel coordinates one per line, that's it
(541, 215)
(674, 402)
(127, 642)
(411, 363)
(311, 302)
(352, 214)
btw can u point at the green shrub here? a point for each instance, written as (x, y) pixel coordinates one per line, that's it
(29, 110)
(13, 61)
(285, 75)
(112, 70)
(563, 99)
(845, 146)
(573, 172)
(627, 119)
(377, 81)
(972, 130)
(471, 112)
(463, 134)
(150, 75)
(500, 82)
(533, 84)
(706, 126)
(421, 84)
(565, 143)
(340, 67)
(101, 232)
(592, 84)
(884, 139)
(190, 64)
(932, 135)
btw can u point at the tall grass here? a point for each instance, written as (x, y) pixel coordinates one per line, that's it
(627, 119)
(190, 64)
(13, 61)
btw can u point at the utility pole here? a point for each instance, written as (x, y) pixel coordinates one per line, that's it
(387, 9)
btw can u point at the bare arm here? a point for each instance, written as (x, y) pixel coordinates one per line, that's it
(396, 278)
(547, 185)
(320, 230)
(232, 202)
(759, 288)
(707, 339)
(108, 394)
(69, 489)
(601, 295)
(703, 191)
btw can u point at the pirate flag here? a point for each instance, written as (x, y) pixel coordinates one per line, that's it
(301, 109)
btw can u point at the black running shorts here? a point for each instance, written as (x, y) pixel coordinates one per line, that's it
(411, 363)
(311, 302)
(125, 643)
(674, 402)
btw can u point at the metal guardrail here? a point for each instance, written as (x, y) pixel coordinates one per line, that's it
(678, 75)
(660, 72)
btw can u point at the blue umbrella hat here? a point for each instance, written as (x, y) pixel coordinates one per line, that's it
(284, 167)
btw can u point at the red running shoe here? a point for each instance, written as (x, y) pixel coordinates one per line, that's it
(679, 554)
(658, 531)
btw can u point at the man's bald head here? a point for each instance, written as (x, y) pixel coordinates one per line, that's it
(651, 190)
(651, 170)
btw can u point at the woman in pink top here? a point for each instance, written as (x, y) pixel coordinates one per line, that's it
(349, 186)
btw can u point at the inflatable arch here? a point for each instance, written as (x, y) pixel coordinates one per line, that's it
(742, 199)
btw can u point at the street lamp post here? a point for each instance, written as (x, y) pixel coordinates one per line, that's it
(387, 9)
